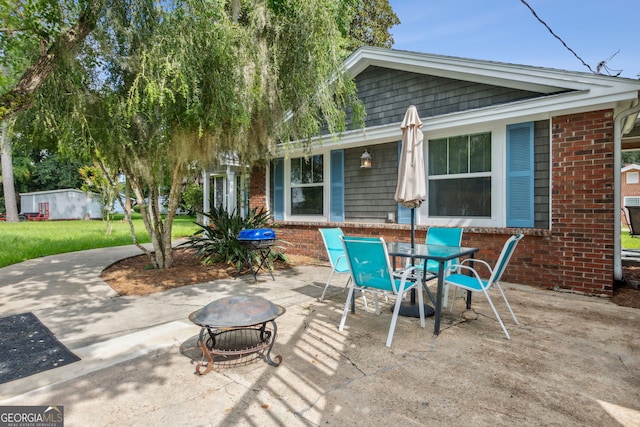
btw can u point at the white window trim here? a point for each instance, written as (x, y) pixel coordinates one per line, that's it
(635, 175)
(497, 174)
(325, 189)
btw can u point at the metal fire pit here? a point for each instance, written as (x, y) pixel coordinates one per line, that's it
(235, 327)
(257, 243)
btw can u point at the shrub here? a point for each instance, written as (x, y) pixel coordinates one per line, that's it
(218, 240)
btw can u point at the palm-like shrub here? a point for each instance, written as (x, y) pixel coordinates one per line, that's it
(218, 240)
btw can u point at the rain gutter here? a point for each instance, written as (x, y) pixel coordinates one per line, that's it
(618, 126)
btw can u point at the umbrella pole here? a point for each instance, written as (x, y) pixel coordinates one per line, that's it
(413, 229)
(413, 245)
(412, 309)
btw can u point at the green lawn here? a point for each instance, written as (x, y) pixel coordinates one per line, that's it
(628, 242)
(33, 239)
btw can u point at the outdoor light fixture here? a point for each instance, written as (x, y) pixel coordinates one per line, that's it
(365, 160)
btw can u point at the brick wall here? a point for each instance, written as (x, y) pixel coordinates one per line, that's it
(576, 254)
(258, 188)
(582, 200)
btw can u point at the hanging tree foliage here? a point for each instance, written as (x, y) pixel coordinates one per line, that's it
(164, 87)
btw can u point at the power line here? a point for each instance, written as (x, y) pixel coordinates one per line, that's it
(558, 37)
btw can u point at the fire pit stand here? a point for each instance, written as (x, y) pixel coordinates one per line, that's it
(236, 326)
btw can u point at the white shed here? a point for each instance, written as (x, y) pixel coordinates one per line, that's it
(63, 204)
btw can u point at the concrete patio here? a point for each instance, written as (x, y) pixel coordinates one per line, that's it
(573, 360)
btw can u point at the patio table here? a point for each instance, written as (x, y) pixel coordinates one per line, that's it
(438, 253)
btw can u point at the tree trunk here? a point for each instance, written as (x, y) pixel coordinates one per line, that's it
(8, 185)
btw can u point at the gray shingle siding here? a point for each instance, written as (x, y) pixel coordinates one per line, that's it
(368, 193)
(387, 93)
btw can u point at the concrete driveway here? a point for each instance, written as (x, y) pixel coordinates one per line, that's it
(572, 361)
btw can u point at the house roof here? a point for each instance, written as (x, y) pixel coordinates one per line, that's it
(562, 92)
(630, 167)
(538, 79)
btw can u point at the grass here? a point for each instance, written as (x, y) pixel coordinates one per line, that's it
(628, 242)
(33, 239)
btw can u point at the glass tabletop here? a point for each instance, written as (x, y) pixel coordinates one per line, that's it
(434, 252)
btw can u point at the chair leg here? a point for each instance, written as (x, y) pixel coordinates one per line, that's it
(326, 285)
(453, 300)
(394, 319)
(504, 328)
(364, 300)
(346, 307)
(396, 311)
(507, 302)
(376, 301)
(420, 306)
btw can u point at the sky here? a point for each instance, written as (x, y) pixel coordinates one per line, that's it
(507, 31)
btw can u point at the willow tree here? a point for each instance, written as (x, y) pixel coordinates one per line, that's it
(35, 37)
(171, 86)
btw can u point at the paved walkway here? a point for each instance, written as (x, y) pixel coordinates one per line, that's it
(573, 360)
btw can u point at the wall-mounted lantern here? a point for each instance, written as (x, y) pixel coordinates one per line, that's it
(365, 160)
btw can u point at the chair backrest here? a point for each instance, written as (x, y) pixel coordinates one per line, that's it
(633, 220)
(507, 250)
(369, 262)
(442, 236)
(334, 247)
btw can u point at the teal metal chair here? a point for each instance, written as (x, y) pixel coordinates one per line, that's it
(371, 271)
(473, 282)
(445, 236)
(335, 253)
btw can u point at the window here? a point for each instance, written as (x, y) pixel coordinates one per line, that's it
(460, 176)
(307, 185)
(632, 177)
(632, 201)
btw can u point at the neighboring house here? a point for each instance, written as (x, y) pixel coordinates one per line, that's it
(630, 185)
(508, 149)
(62, 204)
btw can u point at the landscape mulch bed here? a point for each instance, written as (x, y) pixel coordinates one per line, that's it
(136, 275)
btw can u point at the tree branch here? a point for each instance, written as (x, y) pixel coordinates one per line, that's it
(20, 97)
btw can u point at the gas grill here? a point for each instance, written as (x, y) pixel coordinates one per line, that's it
(257, 244)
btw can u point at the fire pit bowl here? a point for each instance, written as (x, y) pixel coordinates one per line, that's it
(236, 326)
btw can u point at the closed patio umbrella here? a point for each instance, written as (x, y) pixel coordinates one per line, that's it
(411, 189)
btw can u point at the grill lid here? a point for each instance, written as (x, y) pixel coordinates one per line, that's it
(257, 234)
(236, 311)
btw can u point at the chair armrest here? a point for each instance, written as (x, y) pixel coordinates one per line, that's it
(403, 278)
(472, 270)
(474, 260)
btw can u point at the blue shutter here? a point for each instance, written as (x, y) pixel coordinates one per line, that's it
(520, 171)
(336, 204)
(277, 171)
(404, 214)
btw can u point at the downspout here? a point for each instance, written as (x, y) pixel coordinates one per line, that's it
(618, 124)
